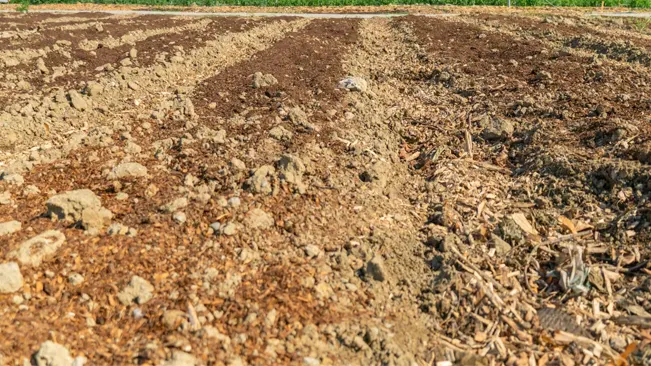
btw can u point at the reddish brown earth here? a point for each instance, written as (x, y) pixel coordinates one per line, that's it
(488, 168)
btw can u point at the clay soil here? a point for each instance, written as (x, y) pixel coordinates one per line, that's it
(481, 196)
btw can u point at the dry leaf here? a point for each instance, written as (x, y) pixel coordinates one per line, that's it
(624, 355)
(523, 223)
(567, 224)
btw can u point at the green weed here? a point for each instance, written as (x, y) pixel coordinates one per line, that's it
(23, 7)
(641, 24)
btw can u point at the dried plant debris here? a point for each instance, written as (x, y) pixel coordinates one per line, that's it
(556, 319)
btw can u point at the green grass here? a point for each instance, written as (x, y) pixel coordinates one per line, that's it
(581, 3)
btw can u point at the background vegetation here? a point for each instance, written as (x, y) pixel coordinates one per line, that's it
(582, 3)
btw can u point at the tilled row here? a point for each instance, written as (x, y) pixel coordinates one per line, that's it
(541, 134)
(108, 28)
(73, 69)
(46, 116)
(28, 21)
(612, 125)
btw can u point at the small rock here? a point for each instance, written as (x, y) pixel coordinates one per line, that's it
(5, 198)
(179, 217)
(151, 190)
(259, 183)
(33, 251)
(70, 205)
(175, 205)
(77, 100)
(212, 105)
(353, 83)
(311, 361)
(298, 117)
(138, 290)
(94, 219)
(132, 148)
(13, 179)
(497, 129)
(24, 85)
(17, 299)
(181, 359)
(542, 75)
(40, 66)
(190, 180)
(82, 206)
(11, 280)
(133, 53)
(52, 354)
(375, 268)
(323, 290)
(119, 229)
(215, 226)
(30, 190)
(9, 227)
(237, 164)
(172, 319)
(133, 86)
(270, 318)
(229, 229)
(121, 196)
(291, 170)
(212, 332)
(94, 89)
(75, 279)
(262, 80)
(234, 202)
(281, 134)
(312, 251)
(258, 219)
(128, 170)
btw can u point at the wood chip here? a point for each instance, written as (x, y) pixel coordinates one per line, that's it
(523, 223)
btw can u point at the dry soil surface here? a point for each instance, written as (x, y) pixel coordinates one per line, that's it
(470, 190)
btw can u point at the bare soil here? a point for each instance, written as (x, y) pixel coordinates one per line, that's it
(480, 196)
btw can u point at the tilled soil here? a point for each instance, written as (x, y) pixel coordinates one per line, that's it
(411, 191)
